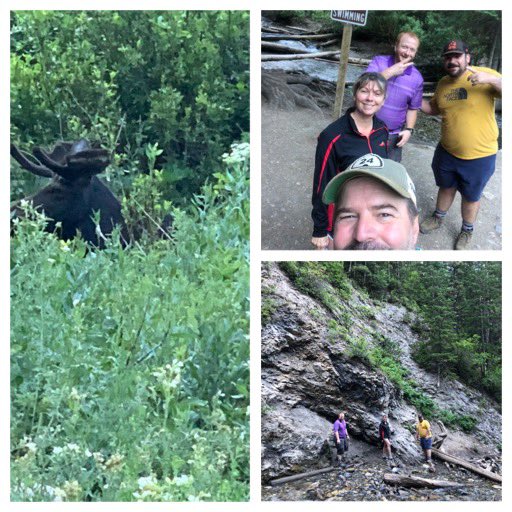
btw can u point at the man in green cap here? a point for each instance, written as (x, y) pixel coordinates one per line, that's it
(375, 206)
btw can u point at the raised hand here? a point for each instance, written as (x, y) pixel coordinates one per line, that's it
(480, 77)
(399, 68)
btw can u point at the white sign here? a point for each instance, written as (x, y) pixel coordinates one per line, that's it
(351, 17)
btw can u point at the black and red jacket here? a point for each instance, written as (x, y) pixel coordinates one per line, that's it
(384, 431)
(338, 146)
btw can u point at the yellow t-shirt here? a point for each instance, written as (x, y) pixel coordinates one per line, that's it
(423, 429)
(469, 128)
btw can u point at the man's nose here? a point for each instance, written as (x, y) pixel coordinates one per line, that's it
(365, 229)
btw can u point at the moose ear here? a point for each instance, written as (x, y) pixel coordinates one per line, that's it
(60, 151)
(37, 169)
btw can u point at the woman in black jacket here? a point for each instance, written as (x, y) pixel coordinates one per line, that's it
(353, 135)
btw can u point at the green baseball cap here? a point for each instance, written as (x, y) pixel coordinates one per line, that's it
(389, 172)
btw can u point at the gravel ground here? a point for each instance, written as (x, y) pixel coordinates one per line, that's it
(361, 479)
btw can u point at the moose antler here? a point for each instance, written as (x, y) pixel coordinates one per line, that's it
(37, 169)
(70, 159)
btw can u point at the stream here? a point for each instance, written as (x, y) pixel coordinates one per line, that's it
(315, 68)
(327, 71)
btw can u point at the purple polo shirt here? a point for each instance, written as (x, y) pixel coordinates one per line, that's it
(404, 92)
(341, 427)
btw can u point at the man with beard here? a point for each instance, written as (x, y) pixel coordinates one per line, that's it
(465, 158)
(374, 206)
(405, 91)
(341, 436)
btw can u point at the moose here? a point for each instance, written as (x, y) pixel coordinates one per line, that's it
(75, 192)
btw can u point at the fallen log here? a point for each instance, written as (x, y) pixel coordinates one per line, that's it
(414, 481)
(279, 48)
(467, 465)
(298, 56)
(332, 53)
(312, 37)
(300, 476)
(438, 441)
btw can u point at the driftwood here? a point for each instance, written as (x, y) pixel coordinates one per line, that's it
(332, 53)
(467, 465)
(299, 56)
(312, 37)
(414, 481)
(300, 476)
(439, 440)
(329, 42)
(276, 47)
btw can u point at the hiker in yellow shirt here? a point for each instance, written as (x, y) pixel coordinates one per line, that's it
(424, 434)
(465, 158)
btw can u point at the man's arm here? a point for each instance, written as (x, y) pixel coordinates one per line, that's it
(482, 77)
(410, 121)
(430, 107)
(396, 69)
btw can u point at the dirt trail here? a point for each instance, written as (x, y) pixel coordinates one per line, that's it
(287, 163)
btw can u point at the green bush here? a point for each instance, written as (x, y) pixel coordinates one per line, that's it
(129, 368)
(268, 308)
(179, 79)
(358, 348)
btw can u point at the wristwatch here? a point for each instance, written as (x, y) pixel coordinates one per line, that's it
(410, 129)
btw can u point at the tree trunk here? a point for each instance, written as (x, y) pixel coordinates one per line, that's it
(414, 481)
(471, 467)
(332, 53)
(299, 476)
(312, 37)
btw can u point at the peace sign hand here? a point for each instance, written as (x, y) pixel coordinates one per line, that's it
(400, 67)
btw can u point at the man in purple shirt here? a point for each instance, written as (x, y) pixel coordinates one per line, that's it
(405, 91)
(340, 435)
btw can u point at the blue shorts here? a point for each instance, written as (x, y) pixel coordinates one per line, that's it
(469, 177)
(426, 443)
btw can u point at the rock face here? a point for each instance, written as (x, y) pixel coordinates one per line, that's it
(309, 375)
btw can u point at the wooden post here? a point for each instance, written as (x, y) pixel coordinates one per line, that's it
(342, 72)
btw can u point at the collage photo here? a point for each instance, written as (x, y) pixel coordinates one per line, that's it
(193, 313)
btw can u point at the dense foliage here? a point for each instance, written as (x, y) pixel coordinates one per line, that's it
(481, 30)
(177, 81)
(129, 368)
(458, 305)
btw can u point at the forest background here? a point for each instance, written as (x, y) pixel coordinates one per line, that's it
(480, 30)
(458, 308)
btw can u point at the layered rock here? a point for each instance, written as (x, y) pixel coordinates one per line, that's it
(308, 377)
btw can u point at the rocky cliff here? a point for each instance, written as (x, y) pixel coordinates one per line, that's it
(310, 372)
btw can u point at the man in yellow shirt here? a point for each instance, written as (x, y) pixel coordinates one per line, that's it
(465, 158)
(424, 434)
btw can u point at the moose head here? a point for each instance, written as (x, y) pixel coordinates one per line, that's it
(75, 192)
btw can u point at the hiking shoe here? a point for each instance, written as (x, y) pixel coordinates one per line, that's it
(463, 240)
(430, 224)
